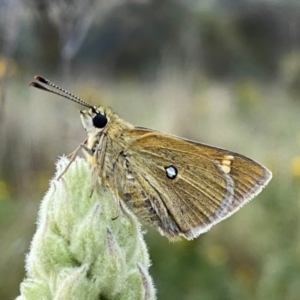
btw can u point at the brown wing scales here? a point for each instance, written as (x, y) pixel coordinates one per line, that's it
(210, 185)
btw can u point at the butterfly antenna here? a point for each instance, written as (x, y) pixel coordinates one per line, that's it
(64, 93)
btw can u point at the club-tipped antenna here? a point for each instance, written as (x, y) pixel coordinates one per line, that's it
(64, 93)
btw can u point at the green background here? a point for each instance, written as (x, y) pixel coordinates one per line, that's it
(226, 73)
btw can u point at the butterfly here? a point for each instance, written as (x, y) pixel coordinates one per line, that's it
(178, 186)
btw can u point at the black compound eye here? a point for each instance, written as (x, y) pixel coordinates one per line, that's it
(100, 121)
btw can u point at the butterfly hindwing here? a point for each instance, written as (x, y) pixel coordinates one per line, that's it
(188, 186)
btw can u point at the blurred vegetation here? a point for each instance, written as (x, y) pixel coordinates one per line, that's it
(223, 72)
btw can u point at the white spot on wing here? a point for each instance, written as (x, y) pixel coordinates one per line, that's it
(171, 172)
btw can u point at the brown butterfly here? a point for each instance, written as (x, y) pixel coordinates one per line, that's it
(177, 186)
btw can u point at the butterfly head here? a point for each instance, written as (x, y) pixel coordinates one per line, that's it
(94, 119)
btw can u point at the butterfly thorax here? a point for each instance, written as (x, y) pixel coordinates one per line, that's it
(105, 139)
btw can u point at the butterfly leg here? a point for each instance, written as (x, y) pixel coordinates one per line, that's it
(118, 205)
(95, 180)
(117, 201)
(99, 152)
(75, 152)
(86, 149)
(71, 158)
